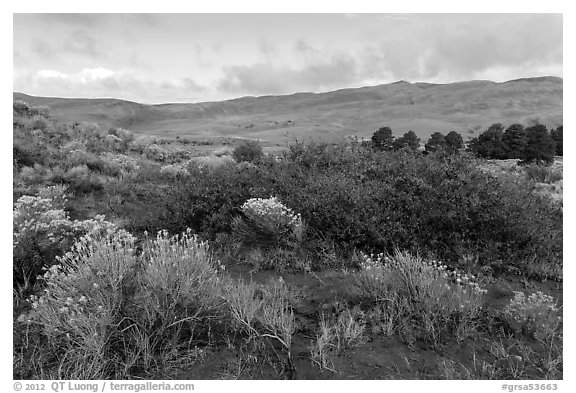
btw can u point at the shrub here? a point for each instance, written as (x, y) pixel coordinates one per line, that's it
(80, 180)
(249, 151)
(357, 198)
(42, 231)
(125, 135)
(108, 311)
(79, 310)
(267, 224)
(21, 108)
(38, 174)
(537, 315)
(90, 134)
(139, 144)
(343, 332)
(433, 301)
(179, 287)
(263, 312)
(173, 171)
(119, 164)
(155, 153)
(28, 154)
(542, 174)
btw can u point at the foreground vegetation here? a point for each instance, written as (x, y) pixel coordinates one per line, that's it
(361, 262)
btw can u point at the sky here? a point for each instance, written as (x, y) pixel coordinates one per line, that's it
(160, 58)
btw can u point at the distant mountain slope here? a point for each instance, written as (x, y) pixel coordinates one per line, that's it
(467, 107)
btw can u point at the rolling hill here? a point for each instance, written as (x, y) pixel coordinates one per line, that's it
(467, 107)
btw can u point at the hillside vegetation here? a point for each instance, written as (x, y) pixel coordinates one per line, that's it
(136, 257)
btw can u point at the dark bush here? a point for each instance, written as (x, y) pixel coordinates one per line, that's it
(249, 151)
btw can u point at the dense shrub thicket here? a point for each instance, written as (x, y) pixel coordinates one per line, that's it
(359, 198)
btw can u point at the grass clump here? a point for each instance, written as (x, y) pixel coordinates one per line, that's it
(421, 299)
(536, 315)
(264, 313)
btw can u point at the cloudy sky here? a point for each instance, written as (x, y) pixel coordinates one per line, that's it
(156, 58)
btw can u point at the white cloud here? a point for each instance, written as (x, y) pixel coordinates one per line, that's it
(49, 74)
(98, 82)
(88, 75)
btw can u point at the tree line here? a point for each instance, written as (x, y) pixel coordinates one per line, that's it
(529, 144)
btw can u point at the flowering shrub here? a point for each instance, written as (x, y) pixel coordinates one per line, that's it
(409, 287)
(173, 171)
(249, 150)
(267, 223)
(536, 315)
(119, 162)
(272, 210)
(139, 144)
(104, 302)
(125, 135)
(209, 162)
(42, 230)
(72, 147)
(178, 155)
(155, 152)
(80, 308)
(180, 275)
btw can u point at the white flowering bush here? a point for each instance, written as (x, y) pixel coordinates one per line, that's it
(174, 171)
(72, 147)
(271, 210)
(42, 230)
(155, 152)
(180, 277)
(536, 315)
(267, 224)
(120, 163)
(104, 302)
(209, 162)
(426, 291)
(79, 311)
(140, 143)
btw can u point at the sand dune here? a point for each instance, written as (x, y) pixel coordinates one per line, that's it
(467, 107)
